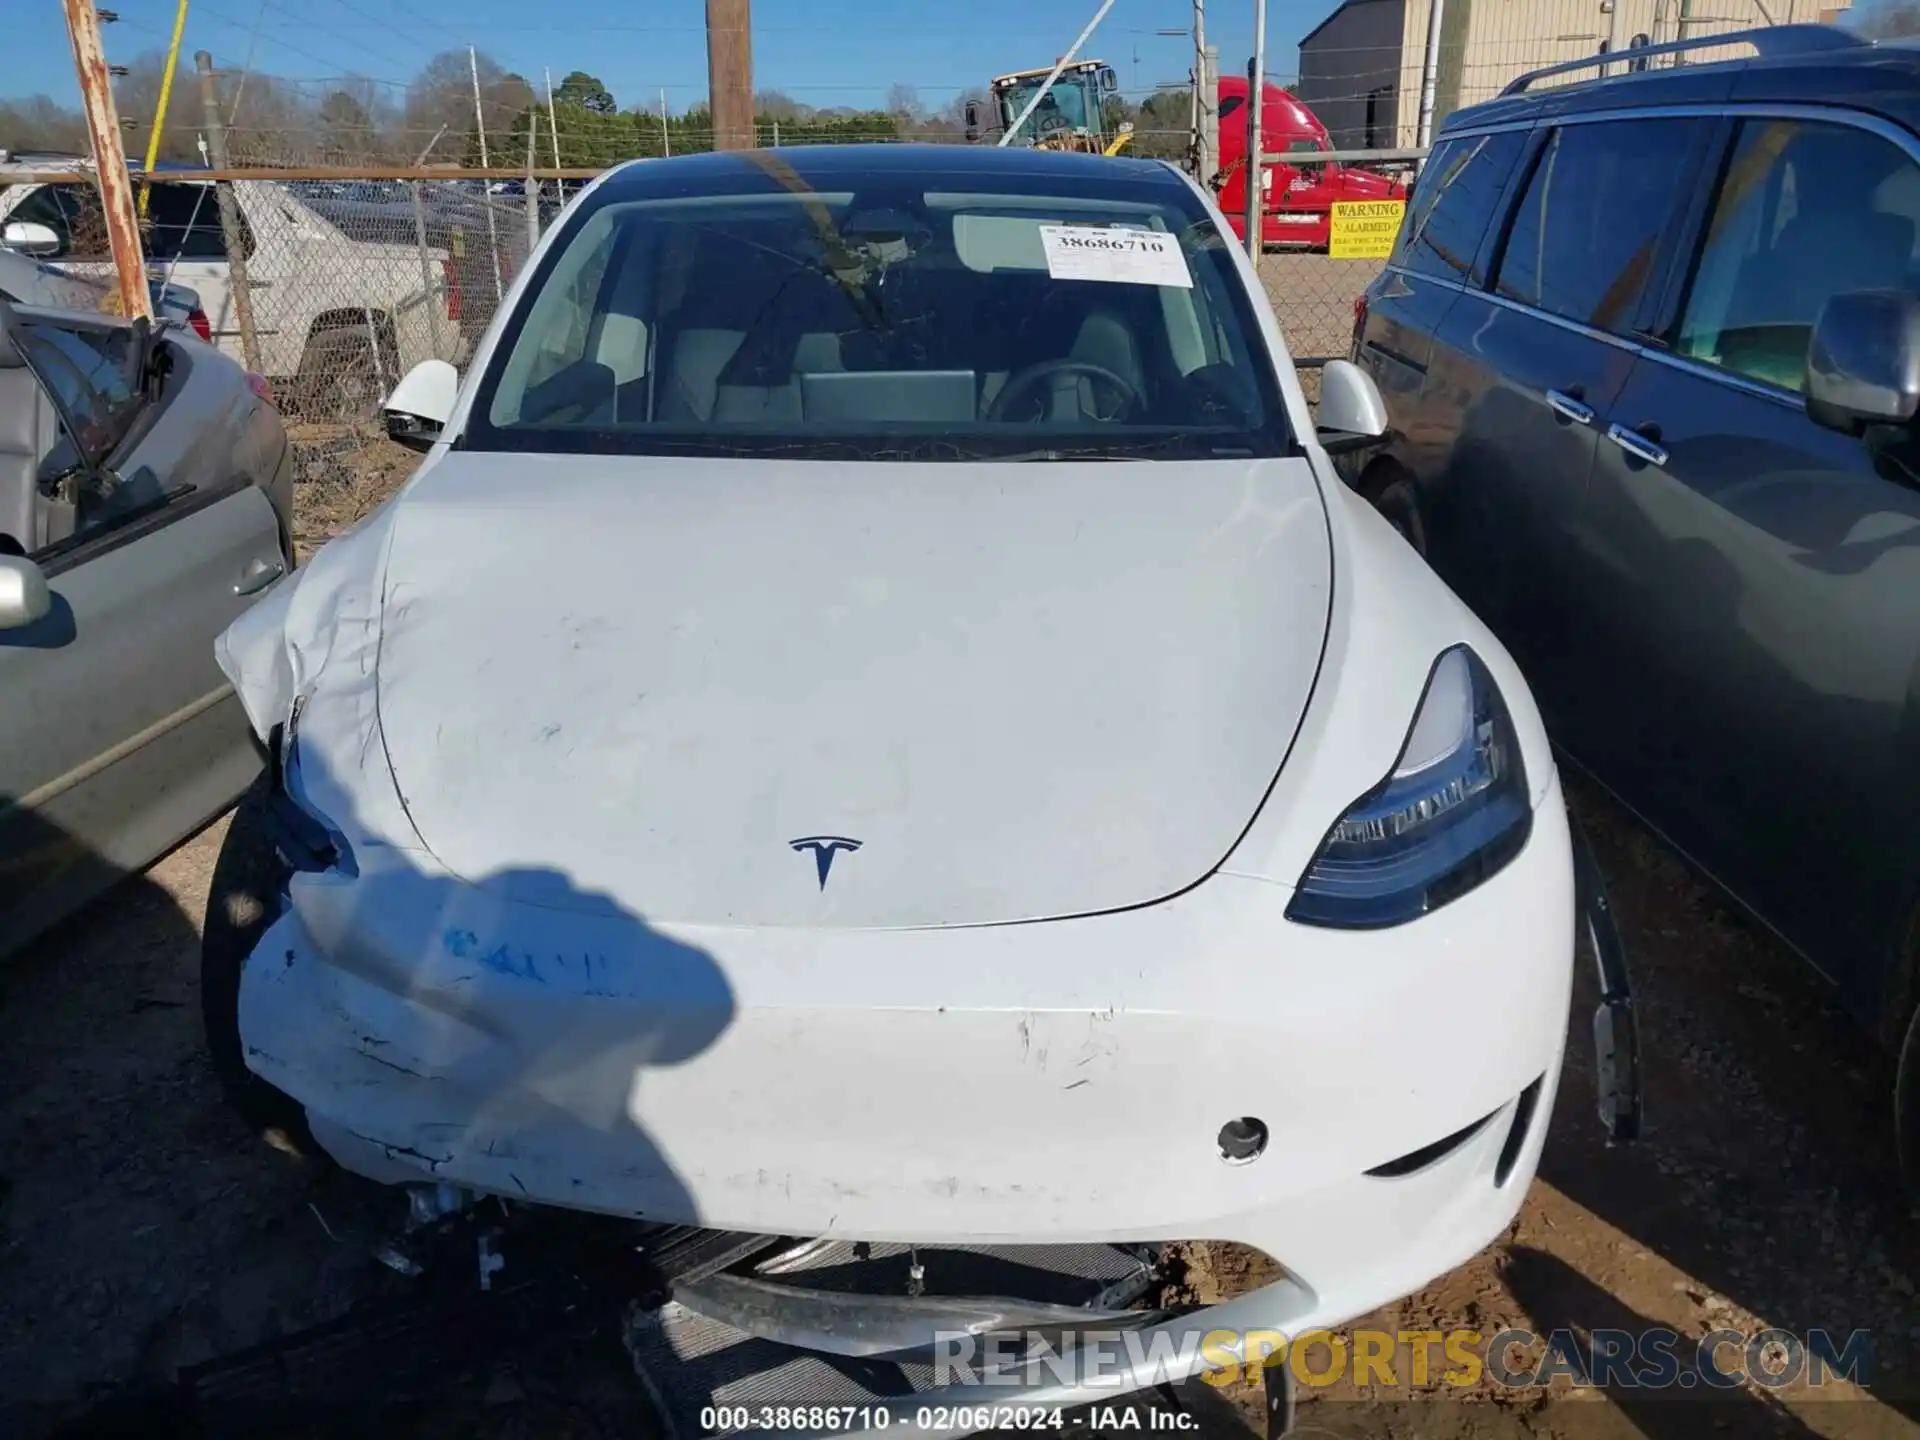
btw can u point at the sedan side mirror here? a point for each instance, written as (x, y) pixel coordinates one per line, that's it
(421, 404)
(24, 597)
(30, 238)
(1863, 361)
(1352, 414)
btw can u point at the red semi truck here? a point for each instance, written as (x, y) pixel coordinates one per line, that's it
(1299, 198)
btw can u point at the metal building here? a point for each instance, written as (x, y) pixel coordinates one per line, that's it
(1360, 67)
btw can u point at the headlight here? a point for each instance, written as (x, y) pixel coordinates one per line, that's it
(1450, 815)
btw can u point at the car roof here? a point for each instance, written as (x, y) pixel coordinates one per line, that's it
(839, 167)
(1878, 77)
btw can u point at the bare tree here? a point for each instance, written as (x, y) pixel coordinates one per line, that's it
(269, 121)
(39, 123)
(903, 103)
(137, 97)
(442, 95)
(778, 105)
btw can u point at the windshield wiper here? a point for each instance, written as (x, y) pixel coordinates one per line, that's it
(1184, 447)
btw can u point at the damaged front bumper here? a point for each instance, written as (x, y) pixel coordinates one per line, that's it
(1059, 1083)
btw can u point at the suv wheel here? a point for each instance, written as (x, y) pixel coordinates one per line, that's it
(249, 883)
(1390, 491)
(339, 376)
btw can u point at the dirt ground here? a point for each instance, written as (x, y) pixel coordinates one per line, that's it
(1312, 295)
(141, 1228)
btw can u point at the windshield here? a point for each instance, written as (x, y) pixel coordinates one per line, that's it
(1093, 318)
(1065, 107)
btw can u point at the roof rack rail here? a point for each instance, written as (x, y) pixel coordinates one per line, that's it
(1768, 40)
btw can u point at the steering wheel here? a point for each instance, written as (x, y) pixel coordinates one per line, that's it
(1062, 377)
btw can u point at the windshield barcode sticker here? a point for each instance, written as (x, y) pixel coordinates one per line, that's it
(1122, 257)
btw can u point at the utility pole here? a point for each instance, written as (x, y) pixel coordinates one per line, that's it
(435, 309)
(1256, 104)
(109, 157)
(1210, 112)
(480, 124)
(730, 74)
(553, 129)
(1206, 98)
(215, 126)
(666, 139)
(532, 195)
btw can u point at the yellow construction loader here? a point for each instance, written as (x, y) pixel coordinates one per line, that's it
(1071, 116)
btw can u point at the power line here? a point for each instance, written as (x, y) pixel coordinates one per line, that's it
(262, 34)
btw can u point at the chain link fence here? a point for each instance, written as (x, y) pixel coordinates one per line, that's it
(333, 287)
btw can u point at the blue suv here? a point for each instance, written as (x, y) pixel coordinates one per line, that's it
(1650, 348)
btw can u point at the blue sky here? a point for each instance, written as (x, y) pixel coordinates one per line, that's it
(822, 52)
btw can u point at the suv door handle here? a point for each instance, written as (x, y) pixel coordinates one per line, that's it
(258, 575)
(1636, 444)
(1570, 406)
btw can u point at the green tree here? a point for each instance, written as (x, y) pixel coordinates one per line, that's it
(586, 91)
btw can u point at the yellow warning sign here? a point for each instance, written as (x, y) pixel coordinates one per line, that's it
(1364, 229)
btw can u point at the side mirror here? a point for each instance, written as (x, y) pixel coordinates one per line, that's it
(1109, 80)
(1863, 361)
(971, 115)
(30, 238)
(1352, 414)
(24, 597)
(421, 404)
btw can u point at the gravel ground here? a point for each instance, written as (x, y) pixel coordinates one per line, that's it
(142, 1228)
(1313, 297)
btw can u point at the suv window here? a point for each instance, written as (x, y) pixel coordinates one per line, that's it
(1802, 212)
(1458, 188)
(1590, 228)
(183, 223)
(72, 211)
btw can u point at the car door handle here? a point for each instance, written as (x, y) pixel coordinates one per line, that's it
(1634, 443)
(1570, 406)
(258, 575)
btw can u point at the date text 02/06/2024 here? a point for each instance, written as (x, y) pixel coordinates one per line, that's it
(813, 1419)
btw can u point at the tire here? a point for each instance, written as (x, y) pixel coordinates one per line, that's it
(1906, 1112)
(245, 897)
(1391, 492)
(340, 376)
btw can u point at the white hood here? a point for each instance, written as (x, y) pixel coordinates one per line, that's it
(1024, 690)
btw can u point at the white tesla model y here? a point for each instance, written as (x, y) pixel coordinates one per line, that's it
(877, 722)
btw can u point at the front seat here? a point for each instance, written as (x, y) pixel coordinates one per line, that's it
(28, 429)
(1106, 340)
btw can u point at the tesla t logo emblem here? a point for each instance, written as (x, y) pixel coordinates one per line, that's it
(824, 848)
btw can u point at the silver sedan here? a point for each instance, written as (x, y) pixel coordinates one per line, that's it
(145, 493)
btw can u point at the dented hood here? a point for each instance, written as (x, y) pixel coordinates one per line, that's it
(805, 694)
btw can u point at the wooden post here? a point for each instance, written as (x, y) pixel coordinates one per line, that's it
(109, 158)
(231, 231)
(730, 74)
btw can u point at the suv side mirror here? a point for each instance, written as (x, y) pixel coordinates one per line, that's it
(1352, 414)
(421, 404)
(30, 238)
(24, 597)
(971, 115)
(1863, 361)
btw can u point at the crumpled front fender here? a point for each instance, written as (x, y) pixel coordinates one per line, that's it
(306, 657)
